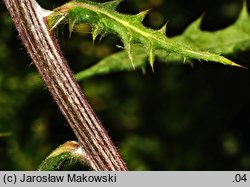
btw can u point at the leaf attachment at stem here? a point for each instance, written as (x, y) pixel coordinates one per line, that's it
(70, 152)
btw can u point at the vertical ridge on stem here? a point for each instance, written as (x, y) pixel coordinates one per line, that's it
(100, 153)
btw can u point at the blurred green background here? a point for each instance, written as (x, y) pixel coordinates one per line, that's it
(178, 118)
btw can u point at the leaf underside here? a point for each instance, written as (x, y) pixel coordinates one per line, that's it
(141, 42)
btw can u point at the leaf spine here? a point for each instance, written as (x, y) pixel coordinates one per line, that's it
(112, 5)
(151, 58)
(163, 30)
(141, 15)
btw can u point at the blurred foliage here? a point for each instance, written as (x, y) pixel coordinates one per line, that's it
(178, 118)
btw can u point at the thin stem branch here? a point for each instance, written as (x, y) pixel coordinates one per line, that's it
(99, 151)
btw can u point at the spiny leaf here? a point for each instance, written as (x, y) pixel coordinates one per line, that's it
(112, 5)
(226, 41)
(116, 62)
(105, 20)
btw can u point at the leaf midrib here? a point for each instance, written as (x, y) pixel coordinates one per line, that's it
(125, 23)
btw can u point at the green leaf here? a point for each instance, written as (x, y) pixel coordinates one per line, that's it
(116, 62)
(104, 20)
(68, 152)
(227, 41)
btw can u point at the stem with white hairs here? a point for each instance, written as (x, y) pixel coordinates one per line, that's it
(97, 148)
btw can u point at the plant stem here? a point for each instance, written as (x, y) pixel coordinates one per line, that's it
(99, 151)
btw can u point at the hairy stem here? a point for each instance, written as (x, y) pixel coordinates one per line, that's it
(98, 150)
